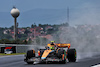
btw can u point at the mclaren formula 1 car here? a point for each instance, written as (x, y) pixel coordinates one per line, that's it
(59, 53)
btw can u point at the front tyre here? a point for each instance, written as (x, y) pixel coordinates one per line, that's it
(30, 62)
(29, 54)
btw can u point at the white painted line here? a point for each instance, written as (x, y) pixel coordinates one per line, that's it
(96, 65)
(10, 56)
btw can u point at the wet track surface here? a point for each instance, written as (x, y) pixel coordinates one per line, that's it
(17, 61)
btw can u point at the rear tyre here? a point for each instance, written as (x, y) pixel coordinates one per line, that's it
(71, 55)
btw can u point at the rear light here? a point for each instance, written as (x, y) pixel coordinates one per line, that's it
(38, 53)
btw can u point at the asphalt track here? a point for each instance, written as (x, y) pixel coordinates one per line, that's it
(17, 61)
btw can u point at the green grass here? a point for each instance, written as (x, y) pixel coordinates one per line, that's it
(2, 54)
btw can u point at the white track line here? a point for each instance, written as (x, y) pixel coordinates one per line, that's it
(96, 65)
(10, 56)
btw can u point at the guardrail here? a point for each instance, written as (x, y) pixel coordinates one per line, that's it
(22, 48)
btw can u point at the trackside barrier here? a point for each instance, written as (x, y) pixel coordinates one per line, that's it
(22, 48)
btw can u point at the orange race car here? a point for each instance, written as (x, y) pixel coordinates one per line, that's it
(52, 53)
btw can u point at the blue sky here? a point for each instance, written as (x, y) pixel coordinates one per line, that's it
(81, 11)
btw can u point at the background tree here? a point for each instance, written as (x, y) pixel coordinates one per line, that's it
(12, 27)
(26, 32)
(32, 26)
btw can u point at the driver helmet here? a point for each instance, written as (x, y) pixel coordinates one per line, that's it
(52, 42)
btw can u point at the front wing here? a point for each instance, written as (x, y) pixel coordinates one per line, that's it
(34, 59)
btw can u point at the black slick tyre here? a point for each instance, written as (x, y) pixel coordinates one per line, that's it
(71, 55)
(30, 62)
(30, 54)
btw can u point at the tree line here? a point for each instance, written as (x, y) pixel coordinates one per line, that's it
(7, 39)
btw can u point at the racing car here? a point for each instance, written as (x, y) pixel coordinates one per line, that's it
(52, 53)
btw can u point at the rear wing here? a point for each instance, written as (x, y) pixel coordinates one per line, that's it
(63, 45)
